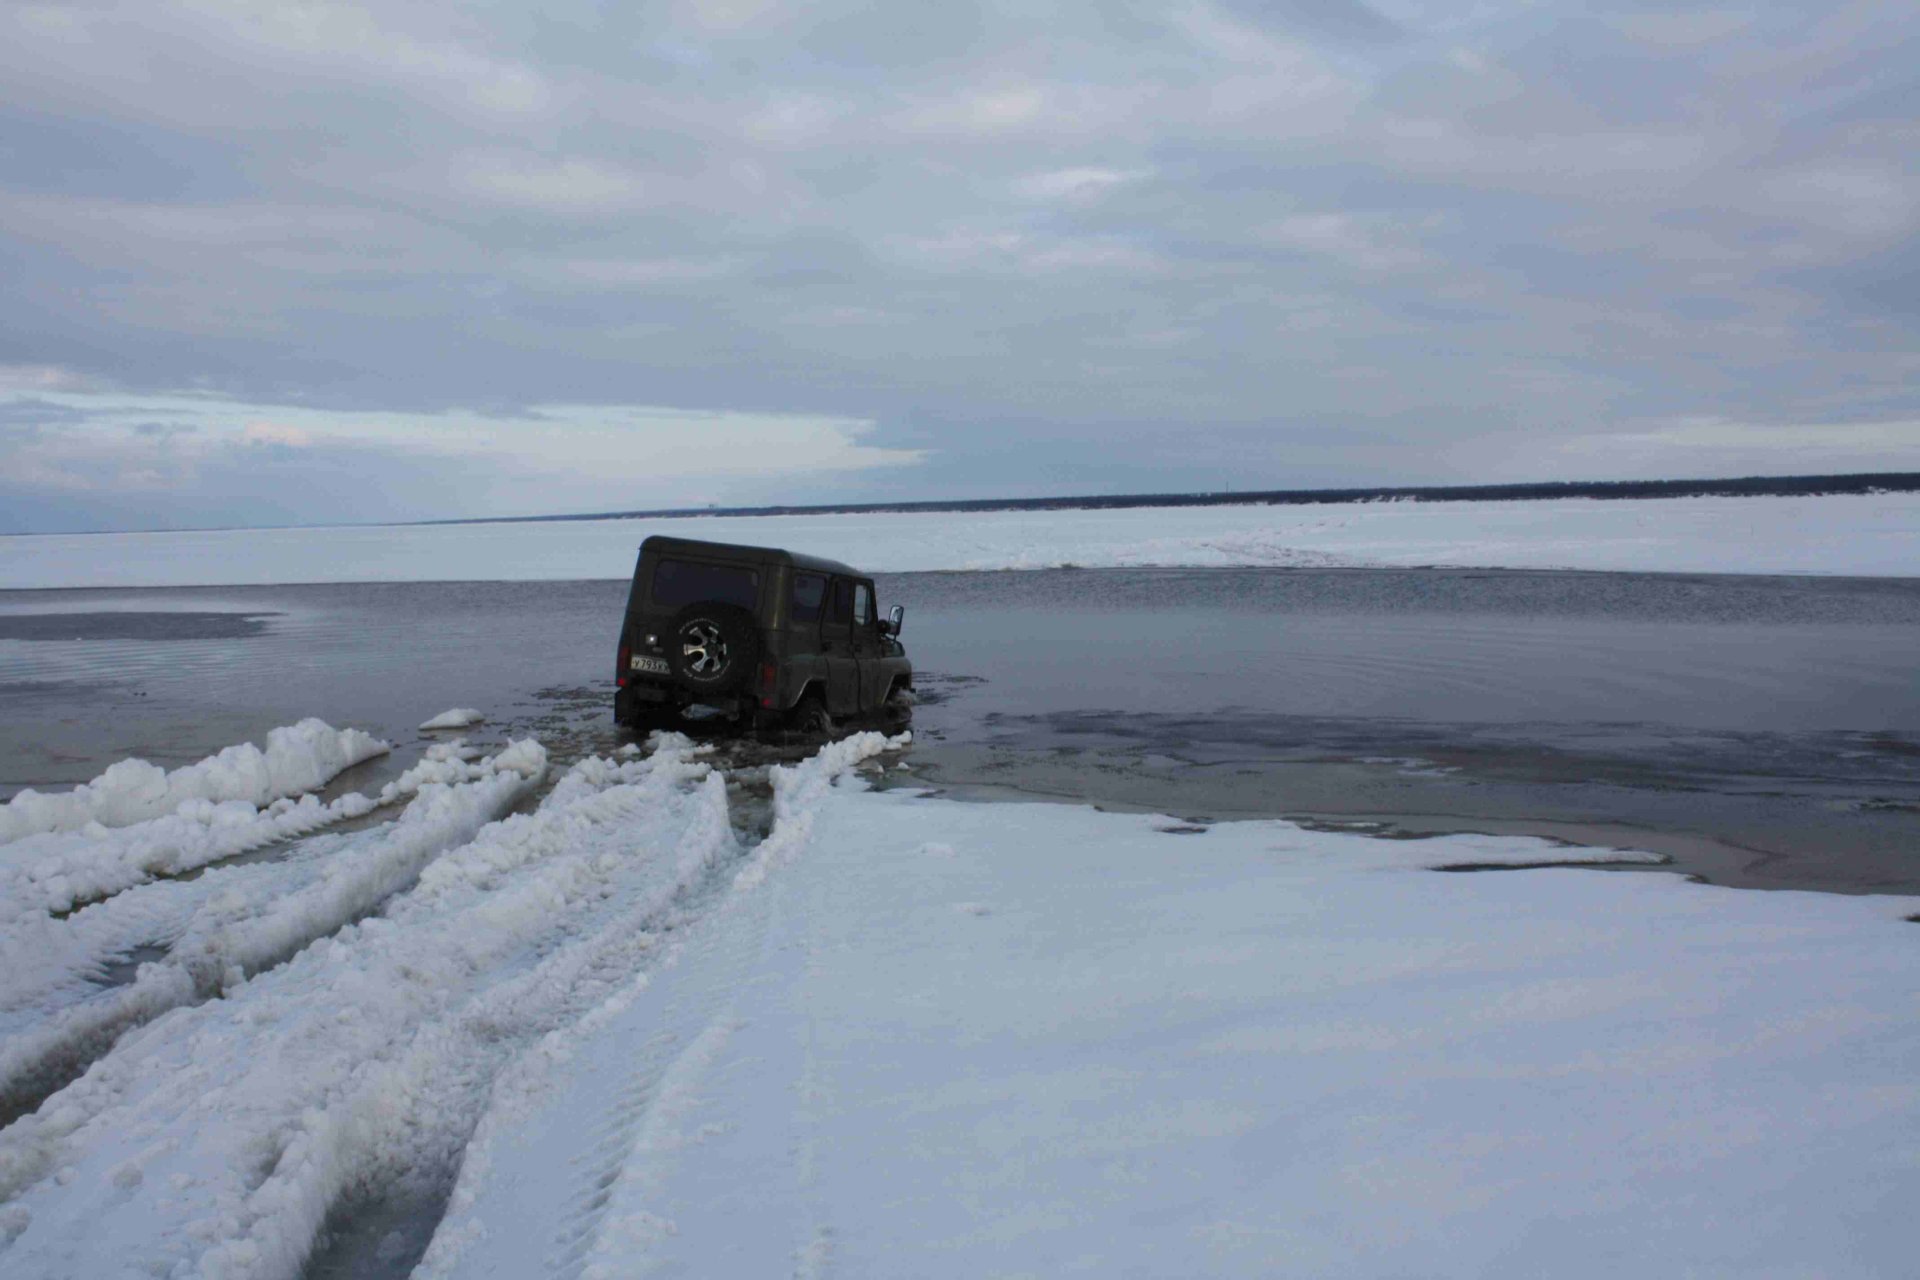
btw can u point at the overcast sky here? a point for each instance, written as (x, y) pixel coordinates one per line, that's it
(273, 262)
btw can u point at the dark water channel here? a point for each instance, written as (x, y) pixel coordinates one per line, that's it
(1760, 731)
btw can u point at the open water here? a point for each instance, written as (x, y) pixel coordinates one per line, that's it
(1759, 731)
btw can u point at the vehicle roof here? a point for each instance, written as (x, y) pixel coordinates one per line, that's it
(738, 551)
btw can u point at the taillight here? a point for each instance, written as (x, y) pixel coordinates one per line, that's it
(624, 663)
(767, 677)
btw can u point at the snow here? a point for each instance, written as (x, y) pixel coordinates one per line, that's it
(56, 871)
(216, 1138)
(226, 925)
(1068, 1042)
(298, 758)
(1873, 534)
(901, 1034)
(457, 718)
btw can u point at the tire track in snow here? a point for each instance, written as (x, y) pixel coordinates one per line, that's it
(224, 1135)
(608, 1213)
(56, 872)
(53, 961)
(455, 1072)
(298, 758)
(220, 1139)
(610, 1242)
(667, 1068)
(241, 938)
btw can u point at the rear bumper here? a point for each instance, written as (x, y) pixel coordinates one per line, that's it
(635, 691)
(643, 695)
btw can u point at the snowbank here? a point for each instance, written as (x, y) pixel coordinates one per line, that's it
(457, 718)
(1876, 534)
(298, 758)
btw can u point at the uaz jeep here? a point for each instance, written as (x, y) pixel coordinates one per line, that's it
(765, 636)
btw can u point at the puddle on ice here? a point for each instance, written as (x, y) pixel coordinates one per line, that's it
(118, 973)
(380, 1237)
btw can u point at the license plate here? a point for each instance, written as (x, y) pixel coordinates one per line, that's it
(652, 666)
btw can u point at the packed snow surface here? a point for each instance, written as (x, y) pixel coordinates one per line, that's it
(949, 1039)
(457, 718)
(298, 758)
(1876, 535)
(627, 1034)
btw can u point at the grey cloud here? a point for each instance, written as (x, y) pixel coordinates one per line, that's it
(1348, 20)
(32, 412)
(1335, 242)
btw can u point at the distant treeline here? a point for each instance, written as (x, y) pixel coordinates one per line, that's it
(1745, 487)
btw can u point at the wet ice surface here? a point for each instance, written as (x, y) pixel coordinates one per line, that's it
(1763, 731)
(184, 624)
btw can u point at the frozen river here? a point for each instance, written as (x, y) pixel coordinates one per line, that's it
(1760, 731)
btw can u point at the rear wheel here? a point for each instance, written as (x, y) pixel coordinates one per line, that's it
(811, 716)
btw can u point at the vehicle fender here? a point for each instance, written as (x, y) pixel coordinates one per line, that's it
(813, 684)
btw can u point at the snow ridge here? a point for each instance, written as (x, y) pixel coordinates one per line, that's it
(57, 871)
(457, 718)
(238, 934)
(798, 790)
(298, 758)
(360, 1066)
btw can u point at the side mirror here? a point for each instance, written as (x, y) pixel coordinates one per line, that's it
(896, 617)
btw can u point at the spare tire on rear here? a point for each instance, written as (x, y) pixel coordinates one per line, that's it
(713, 647)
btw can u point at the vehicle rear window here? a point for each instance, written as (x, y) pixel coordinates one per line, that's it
(809, 593)
(684, 582)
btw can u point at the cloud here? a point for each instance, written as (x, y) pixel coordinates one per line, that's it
(1074, 184)
(1898, 441)
(38, 377)
(955, 250)
(559, 187)
(1341, 237)
(270, 435)
(170, 454)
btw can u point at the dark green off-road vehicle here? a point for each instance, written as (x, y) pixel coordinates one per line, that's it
(767, 637)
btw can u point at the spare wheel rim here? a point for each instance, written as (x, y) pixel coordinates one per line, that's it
(703, 648)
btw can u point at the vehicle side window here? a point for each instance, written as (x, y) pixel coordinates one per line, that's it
(683, 582)
(840, 612)
(862, 605)
(809, 594)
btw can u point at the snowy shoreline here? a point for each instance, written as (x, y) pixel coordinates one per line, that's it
(1875, 535)
(895, 1032)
